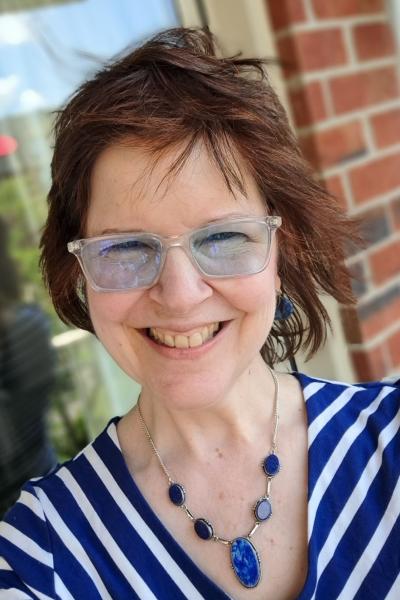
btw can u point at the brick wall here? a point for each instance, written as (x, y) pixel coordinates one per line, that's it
(342, 81)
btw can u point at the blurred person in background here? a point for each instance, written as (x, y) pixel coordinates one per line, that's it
(27, 374)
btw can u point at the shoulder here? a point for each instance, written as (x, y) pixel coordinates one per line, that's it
(26, 560)
(353, 484)
(49, 516)
(336, 405)
(318, 388)
(88, 468)
(351, 411)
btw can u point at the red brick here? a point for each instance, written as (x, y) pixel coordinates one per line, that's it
(375, 177)
(351, 325)
(335, 187)
(385, 263)
(373, 40)
(369, 364)
(312, 50)
(393, 344)
(308, 104)
(381, 319)
(386, 127)
(286, 12)
(359, 280)
(395, 210)
(350, 92)
(329, 147)
(374, 225)
(326, 9)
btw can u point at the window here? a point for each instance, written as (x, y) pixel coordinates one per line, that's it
(47, 47)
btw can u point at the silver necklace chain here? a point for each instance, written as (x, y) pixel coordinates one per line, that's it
(269, 477)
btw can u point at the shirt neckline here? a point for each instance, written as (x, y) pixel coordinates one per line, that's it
(178, 552)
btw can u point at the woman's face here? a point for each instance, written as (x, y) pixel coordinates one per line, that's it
(131, 193)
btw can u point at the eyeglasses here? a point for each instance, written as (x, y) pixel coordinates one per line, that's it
(127, 261)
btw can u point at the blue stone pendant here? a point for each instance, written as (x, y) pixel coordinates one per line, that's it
(176, 494)
(245, 562)
(204, 529)
(263, 510)
(271, 465)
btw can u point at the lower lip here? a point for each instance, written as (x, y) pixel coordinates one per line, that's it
(188, 353)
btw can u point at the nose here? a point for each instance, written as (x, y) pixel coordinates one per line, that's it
(180, 287)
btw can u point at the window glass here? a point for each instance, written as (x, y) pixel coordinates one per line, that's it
(46, 49)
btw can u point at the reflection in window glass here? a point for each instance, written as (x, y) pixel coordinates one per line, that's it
(46, 49)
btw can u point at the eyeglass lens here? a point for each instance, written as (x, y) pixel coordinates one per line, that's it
(219, 250)
(237, 249)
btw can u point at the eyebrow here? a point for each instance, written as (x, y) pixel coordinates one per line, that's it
(112, 231)
(227, 217)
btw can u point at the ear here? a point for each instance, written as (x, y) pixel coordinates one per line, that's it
(278, 283)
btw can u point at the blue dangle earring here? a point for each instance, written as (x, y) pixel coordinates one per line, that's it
(284, 307)
(283, 311)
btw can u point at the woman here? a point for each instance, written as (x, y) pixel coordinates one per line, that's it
(202, 243)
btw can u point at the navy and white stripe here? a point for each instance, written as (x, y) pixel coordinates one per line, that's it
(86, 531)
(354, 490)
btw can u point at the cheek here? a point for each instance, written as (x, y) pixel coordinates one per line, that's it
(254, 294)
(100, 308)
(107, 309)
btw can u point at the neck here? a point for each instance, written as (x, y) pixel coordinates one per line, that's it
(240, 418)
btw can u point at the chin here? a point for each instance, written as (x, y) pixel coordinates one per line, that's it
(189, 391)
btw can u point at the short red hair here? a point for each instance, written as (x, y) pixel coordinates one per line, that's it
(173, 90)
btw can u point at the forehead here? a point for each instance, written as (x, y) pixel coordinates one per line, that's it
(132, 189)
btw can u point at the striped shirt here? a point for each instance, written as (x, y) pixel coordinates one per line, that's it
(86, 531)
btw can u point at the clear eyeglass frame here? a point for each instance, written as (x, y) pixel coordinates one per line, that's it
(76, 247)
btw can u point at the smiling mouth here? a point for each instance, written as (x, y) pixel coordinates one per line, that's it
(179, 340)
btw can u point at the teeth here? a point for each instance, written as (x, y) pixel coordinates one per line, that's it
(168, 340)
(195, 340)
(205, 335)
(185, 341)
(181, 341)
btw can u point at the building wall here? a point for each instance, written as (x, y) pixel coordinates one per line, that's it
(341, 71)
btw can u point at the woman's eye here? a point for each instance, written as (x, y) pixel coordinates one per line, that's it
(125, 248)
(225, 236)
(223, 243)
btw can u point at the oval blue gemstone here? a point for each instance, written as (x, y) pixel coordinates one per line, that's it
(263, 509)
(271, 465)
(176, 494)
(204, 529)
(245, 562)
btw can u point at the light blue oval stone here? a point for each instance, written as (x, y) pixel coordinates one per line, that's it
(263, 509)
(245, 562)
